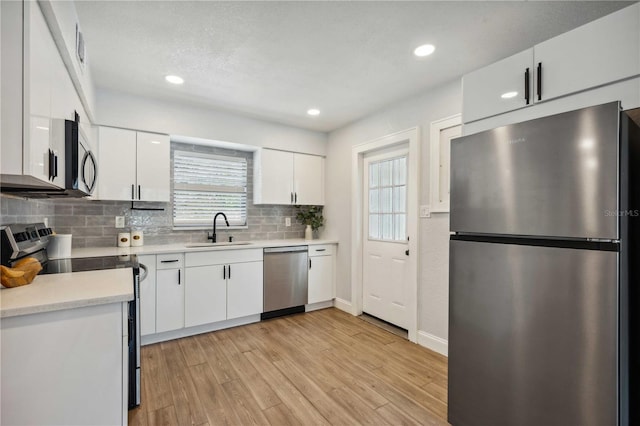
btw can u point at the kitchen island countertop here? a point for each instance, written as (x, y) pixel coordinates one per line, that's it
(56, 292)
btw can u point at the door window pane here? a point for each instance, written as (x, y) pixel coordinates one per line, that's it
(388, 199)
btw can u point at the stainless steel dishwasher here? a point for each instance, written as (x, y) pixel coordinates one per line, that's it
(286, 272)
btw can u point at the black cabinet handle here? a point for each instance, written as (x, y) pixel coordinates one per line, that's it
(229, 271)
(139, 196)
(169, 261)
(309, 263)
(224, 272)
(179, 274)
(51, 166)
(321, 249)
(296, 197)
(539, 88)
(133, 194)
(407, 252)
(526, 86)
(292, 197)
(55, 166)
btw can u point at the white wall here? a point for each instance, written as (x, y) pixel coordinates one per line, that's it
(119, 109)
(433, 281)
(61, 17)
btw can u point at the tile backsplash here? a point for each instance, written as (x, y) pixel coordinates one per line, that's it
(92, 223)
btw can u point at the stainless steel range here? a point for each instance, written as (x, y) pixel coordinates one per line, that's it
(30, 240)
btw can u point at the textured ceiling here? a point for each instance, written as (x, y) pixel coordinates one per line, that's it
(275, 60)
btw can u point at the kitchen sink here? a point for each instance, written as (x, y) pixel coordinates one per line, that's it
(221, 244)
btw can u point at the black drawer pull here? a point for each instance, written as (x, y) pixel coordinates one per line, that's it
(539, 81)
(169, 261)
(179, 274)
(224, 272)
(321, 249)
(526, 86)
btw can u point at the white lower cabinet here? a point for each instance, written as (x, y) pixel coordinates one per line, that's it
(169, 292)
(65, 367)
(321, 282)
(148, 296)
(244, 289)
(205, 295)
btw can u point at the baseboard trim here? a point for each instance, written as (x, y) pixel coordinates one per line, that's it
(199, 329)
(343, 305)
(319, 305)
(434, 343)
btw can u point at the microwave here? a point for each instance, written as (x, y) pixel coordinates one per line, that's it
(81, 165)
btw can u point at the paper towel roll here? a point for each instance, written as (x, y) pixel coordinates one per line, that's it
(137, 239)
(59, 246)
(124, 239)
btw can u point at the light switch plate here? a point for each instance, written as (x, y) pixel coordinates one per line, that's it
(425, 211)
(119, 221)
(287, 221)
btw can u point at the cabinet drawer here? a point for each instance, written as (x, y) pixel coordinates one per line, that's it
(170, 261)
(219, 257)
(321, 250)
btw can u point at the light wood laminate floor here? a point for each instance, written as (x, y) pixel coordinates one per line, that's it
(317, 368)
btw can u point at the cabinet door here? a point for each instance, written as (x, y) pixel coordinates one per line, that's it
(498, 88)
(205, 295)
(153, 167)
(169, 300)
(148, 296)
(600, 52)
(320, 279)
(275, 175)
(117, 164)
(308, 179)
(37, 94)
(244, 289)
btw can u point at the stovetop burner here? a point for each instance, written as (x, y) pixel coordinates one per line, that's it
(57, 266)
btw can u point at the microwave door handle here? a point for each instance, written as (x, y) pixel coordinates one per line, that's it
(88, 155)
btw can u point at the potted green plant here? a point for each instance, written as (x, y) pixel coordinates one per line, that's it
(312, 217)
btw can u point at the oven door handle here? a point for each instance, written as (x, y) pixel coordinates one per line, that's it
(146, 272)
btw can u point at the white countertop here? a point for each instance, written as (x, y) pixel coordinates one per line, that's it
(182, 247)
(55, 292)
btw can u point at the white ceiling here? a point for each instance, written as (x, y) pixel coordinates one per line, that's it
(274, 60)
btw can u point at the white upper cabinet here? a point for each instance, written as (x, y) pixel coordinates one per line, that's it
(596, 54)
(308, 179)
(601, 52)
(498, 88)
(117, 164)
(282, 177)
(134, 166)
(153, 171)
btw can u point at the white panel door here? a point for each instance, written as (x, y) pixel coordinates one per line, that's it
(385, 243)
(600, 52)
(277, 177)
(148, 296)
(205, 295)
(498, 88)
(244, 289)
(117, 164)
(320, 279)
(308, 179)
(169, 300)
(153, 167)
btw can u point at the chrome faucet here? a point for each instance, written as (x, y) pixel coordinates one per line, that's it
(213, 236)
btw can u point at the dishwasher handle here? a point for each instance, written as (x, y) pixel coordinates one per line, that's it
(291, 249)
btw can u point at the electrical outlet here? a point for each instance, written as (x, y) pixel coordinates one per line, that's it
(425, 211)
(119, 221)
(287, 221)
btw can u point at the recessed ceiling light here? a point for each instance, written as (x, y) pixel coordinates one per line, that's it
(509, 95)
(424, 50)
(174, 79)
(313, 111)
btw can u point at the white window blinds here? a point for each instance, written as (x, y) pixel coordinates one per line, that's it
(205, 184)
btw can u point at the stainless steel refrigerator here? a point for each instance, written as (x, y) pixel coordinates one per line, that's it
(543, 264)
